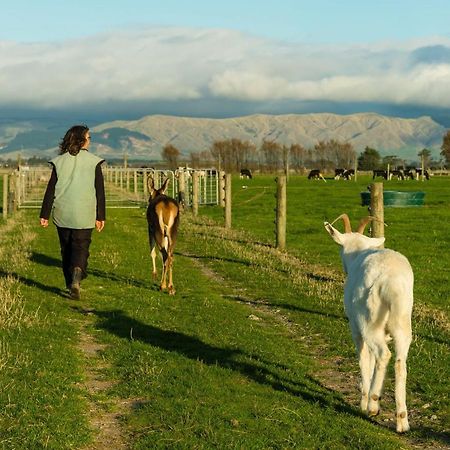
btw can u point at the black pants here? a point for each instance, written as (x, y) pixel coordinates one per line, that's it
(74, 250)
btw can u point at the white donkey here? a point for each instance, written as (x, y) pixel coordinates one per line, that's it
(378, 301)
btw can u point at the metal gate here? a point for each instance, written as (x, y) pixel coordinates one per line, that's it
(124, 187)
(28, 185)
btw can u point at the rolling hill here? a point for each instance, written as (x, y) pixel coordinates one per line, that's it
(144, 138)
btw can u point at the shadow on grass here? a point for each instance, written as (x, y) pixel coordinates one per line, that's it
(309, 275)
(272, 304)
(250, 366)
(214, 258)
(46, 260)
(34, 284)
(220, 235)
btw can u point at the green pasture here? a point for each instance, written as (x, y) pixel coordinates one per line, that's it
(253, 351)
(420, 233)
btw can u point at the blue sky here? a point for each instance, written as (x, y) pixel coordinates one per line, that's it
(314, 21)
(205, 58)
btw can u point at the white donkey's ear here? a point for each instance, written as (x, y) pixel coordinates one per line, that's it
(377, 242)
(337, 236)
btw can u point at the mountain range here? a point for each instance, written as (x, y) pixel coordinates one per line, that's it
(144, 138)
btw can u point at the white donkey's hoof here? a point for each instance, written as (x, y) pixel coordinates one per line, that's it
(402, 422)
(373, 408)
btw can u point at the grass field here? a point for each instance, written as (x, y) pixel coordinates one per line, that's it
(253, 352)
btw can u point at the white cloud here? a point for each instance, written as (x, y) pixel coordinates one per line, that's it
(182, 64)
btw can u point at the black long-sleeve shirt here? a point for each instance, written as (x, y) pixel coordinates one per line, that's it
(49, 196)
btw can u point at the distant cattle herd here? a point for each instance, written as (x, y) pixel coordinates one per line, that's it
(411, 173)
(402, 174)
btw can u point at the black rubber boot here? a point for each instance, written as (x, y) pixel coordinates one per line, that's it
(75, 286)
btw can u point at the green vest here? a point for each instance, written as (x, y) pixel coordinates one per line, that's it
(75, 204)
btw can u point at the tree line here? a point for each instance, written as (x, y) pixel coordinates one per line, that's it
(232, 155)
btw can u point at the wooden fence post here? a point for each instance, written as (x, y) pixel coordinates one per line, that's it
(195, 193)
(281, 213)
(181, 188)
(377, 209)
(5, 196)
(144, 184)
(228, 200)
(17, 190)
(221, 188)
(11, 194)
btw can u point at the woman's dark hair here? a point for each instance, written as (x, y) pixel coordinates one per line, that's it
(74, 140)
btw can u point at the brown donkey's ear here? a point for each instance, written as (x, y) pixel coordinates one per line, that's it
(164, 186)
(151, 185)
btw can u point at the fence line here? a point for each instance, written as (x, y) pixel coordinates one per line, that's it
(124, 187)
(131, 185)
(281, 213)
(128, 188)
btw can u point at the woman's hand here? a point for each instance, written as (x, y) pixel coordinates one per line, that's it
(99, 224)
(44, 222)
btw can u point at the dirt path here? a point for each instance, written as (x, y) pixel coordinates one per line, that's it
(105, 411)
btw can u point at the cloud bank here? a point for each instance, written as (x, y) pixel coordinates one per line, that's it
(182, 64)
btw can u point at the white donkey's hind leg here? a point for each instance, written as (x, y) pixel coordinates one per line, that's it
(366, 365)
(382, 355)
(402, 340)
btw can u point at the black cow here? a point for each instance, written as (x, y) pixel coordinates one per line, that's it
(315, 174)
(245, 173)
(415, 174)
(346, 174)
(379, 173)
(418, 174)
(399, 173)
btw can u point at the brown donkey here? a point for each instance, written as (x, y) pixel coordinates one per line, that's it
(163, 216)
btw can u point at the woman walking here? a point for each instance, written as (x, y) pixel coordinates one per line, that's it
(76, 194)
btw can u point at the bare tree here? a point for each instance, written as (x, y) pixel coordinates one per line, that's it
(298, 156)
(445, 147)
(218, 151)
(195, 160)
(233, 154)
(273, 155)
(171, 155)
(332, 154)
(425, 156)
(322, 155)
(394, 161)
(243, 153)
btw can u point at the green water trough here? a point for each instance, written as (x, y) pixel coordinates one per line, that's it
(397, 199)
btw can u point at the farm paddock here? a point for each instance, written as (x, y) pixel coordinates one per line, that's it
(252, 352)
